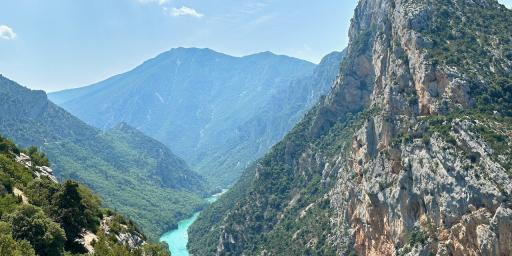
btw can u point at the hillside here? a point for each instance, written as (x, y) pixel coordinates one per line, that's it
(409, 153)
(134, 174)
(214, 110)
(39, 216)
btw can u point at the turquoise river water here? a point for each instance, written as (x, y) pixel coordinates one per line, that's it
(177, 239)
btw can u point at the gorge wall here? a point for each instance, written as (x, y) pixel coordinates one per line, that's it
(409, 154)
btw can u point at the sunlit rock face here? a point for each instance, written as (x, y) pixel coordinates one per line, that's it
(411, 148)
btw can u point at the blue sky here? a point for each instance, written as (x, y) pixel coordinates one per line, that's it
(57, 44)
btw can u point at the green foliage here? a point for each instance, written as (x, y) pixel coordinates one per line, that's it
(56, 215)
(251, 209)
(37, 157)
(123, 176)
(417, 237)
(7, 146)
(8, 203)
(30, 223)
(11, 247)
(16, 173)
(134, 174)
(476, 41)
(73, 215)
(40, 192)
(105, 246)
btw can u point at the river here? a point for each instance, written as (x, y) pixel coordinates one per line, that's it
(177, 239)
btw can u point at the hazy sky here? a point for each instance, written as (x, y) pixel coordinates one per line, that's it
(57, 44)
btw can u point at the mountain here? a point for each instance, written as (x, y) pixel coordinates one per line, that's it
(214, 110)
(40, 216)
(408, 154)
(133, 173)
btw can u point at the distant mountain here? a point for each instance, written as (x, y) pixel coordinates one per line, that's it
(134, 174)
(216, 111)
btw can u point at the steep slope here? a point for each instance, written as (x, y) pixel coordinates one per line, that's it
(134, 174)
(409, 154)
(268, 124)
(210, 108)
(39, 216)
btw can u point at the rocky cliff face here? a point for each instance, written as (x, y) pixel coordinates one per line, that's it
(408, 154)
(402, 179)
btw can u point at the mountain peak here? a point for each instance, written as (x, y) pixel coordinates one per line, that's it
(193, 50)
(265, 53)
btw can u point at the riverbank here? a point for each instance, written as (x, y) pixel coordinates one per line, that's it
(177, 239)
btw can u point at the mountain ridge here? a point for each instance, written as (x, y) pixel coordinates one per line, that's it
(203, 104)
(57, 99)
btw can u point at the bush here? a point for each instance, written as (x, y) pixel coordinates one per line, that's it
(40, 193)
(73, 214)
(30, 223)
(38, 158)
(474, 157)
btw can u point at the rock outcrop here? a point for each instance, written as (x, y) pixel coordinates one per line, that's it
(39, 171)
(408, 154)
(123, 234)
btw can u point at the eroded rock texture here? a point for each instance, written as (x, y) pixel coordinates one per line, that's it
(408, 155)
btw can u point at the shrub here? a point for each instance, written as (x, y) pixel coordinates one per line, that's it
(30, 223)
(474, 157)
(38, 158)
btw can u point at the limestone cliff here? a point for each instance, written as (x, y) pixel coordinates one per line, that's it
(409, 154)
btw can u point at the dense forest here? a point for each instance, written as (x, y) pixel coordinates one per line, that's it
(39, 216)
(134, 174)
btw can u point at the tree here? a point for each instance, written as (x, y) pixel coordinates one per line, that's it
(11, 247)
(41, 191)
(31, 224)
(155, 250)
(73, 214)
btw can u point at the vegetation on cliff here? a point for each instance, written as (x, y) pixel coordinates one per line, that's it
(408, 154)
(41, 217)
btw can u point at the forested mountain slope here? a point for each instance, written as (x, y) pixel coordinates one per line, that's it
(39, 216)
(133, 173)
(216, 111)
(409, 154)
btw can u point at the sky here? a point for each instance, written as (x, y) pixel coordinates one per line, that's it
(58, 44)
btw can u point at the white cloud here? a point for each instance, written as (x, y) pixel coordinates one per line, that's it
(7, 32)
(185, 11)
(159, 2)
